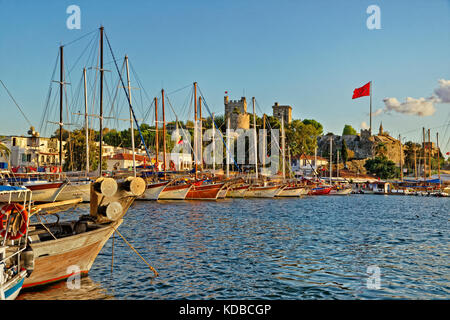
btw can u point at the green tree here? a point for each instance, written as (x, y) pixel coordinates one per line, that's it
(301, 138)
(75, 153)
(314, 123)
(382, 167)
(348, 130)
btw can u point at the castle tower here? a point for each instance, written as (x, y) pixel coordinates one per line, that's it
(236, 110)
(282, 111)
(380, 131)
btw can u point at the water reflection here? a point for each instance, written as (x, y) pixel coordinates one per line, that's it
(88, 290)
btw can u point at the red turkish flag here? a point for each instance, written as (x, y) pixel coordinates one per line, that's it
(361, 92)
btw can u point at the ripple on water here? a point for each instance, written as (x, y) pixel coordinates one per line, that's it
(310, 248)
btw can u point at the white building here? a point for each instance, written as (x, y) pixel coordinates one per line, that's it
(306, 164)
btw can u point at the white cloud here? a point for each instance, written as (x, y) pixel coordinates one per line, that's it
(420, 107)
(377, 113)
(364, 125)
(443, 92)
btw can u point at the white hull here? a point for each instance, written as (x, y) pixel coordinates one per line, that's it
(292, 192)
(10, 290)
(152, 192)
(342, 192)
(177, 194)
(261, 192)
(72, 191)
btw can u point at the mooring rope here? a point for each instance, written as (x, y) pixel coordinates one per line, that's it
(132, 248)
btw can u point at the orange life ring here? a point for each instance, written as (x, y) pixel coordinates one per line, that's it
(3, 220)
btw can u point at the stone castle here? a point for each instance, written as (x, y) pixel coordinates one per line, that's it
(236, 110)
(364, 145)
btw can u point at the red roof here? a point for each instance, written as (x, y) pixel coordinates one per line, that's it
(128, 156)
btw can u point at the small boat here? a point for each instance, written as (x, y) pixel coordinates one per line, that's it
(175, 191)
(292, 191)
(153, 190)
(237, 191)
(319, 191)
(340, 191)
(261, 191)
(16, 261)
(204, 191)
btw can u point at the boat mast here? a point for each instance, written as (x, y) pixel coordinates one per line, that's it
(415, 164)
(429, 154)
(331, 157)
(439, 165)
(213, 143)
(86, 122)
(201, 132)
(401, 157)
(156, 135)
(424, 156)
(131, 118)
(264, 144)
(61, 94)
(101, 104)
(228, 146)
(195, 129)
(283, 153)
(164, 132)
(337, 164)
(255, 139)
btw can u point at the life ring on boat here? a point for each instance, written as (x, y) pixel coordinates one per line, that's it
(3, 220)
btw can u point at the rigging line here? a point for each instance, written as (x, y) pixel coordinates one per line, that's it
(221, 135)
(129, 102)
(183, 130)
(82, 53)
(73, 41)
(49, 93)
(17, 105)
(175, 91)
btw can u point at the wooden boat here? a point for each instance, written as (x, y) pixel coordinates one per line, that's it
(50, 191)
(15, 263)
(175, 192)
(153, 190)
(223, 192)
(319, 191)
(64, 249)
(292, 191)
(261, 191)
(237, 191)
(204, 191)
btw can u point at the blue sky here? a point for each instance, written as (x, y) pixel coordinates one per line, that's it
(308, 54)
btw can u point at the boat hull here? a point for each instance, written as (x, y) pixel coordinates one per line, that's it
(204, 192)
(292, 192)
(319, 191)
(342, 192)
(12, 290)
(261, 192)
(59, 259)
(237, 192)
(153, 191)
(174, 192)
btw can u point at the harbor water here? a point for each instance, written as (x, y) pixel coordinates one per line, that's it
(324, 247)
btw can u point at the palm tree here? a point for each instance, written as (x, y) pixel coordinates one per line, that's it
(4, 150)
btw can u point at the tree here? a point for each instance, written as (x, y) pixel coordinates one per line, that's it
(75, 153)
(4, 150)
(301, 138)
(314, 123)
(382, 167)
(348, 130)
